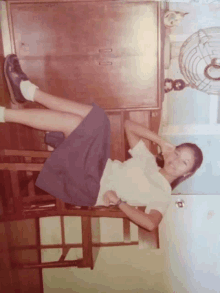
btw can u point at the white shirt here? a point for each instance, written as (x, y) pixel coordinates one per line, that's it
(137, 181)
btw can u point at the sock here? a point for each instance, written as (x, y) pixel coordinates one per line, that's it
(28, 90)
(2, 114)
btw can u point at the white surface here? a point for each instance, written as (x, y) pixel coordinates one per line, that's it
(213, 111)
(191, 129)
(50, 230)
(49, 255)
(73, 230)
(190, 240)
(7, 46)
(111, 230)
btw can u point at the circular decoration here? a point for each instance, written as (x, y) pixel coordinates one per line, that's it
(176, 85)
(168, 85)
(212, 71)
(179, 84)
(199, 60)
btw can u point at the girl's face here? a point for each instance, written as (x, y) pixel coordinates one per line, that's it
(179, 162)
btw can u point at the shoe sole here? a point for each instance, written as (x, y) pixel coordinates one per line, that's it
(12, 96)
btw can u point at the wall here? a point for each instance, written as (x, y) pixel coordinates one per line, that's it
(201, 15)
(191, 106)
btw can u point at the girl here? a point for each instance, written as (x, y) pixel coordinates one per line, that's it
(79, 170)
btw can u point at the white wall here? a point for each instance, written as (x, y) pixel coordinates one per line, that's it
(188, 106)
(193, 107)
(200, 16)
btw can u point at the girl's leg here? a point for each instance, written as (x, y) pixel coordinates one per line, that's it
(60, 104)
(44, 119)
(21, 90)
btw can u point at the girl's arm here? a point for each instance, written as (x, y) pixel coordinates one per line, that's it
(147, 221)
(136, 131)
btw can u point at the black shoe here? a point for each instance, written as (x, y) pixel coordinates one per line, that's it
(14, 75)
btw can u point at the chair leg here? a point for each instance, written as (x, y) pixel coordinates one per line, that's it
(16, 192)
(38, 243)
(87, 242)
(31, 189)
(126, 230)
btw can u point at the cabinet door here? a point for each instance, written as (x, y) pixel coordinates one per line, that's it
(106, 52)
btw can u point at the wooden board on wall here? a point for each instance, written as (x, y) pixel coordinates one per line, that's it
(109, 51)
(141, 117)
(117, 136)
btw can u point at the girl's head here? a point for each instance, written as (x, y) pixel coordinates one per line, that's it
(182, 163)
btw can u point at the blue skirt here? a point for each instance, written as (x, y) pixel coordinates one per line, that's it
(73, 171)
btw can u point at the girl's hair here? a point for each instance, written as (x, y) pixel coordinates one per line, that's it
(198, 156)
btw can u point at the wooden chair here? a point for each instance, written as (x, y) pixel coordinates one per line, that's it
(23, 202)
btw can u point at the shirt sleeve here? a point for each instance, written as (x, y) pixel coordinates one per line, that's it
(160, 206)
(141, 151)
(146, 159)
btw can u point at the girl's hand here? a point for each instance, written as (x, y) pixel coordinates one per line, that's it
(110, 197)
(167, 148)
